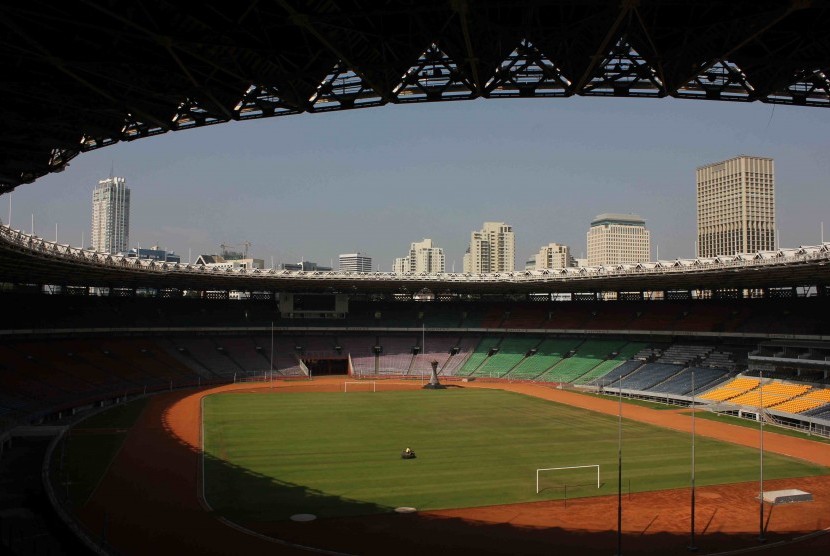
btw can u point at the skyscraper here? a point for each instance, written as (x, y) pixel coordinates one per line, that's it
(111, 216)
(553, 255)
(736, 206)
(492, 249)
(618, 239)
(423, 257)
(355, 262)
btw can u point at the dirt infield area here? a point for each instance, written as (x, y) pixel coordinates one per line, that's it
(149, 501)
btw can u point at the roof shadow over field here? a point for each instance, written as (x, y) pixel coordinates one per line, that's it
(147, 503)
(262, 491)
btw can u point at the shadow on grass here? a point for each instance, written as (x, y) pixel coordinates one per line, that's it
(241, 494)
(147, 504)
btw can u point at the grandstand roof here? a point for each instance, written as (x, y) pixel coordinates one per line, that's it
(84, 75)
(26, 259)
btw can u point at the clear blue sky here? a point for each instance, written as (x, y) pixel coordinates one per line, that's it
(375, 180)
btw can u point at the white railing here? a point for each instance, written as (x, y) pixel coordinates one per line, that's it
(764, 259)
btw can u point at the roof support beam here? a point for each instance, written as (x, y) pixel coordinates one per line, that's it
(462, 8)
(303, 21)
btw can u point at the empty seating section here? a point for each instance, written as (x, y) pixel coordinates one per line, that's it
(286, 360)
(435, 348)
(566, 316)
(52, 375)
(360, 350)
(797, 315)
(525, 316)
(588, 355)
(681, 384)
(242, 350)
(511, 352)
(731, 389)
(465, 347)
(626, 352)
(821, 412)
(396, 355)
(610, 316)
(494, 317)
(813, 398)
(649, 375)
(769, 394)
(479, 355)
(620, 371)
(206, 353)
(656, 316)
(681, 354)
(548, 353)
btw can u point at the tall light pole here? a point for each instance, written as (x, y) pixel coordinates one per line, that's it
(272, 352)
(619, 467)
(761, 537)
(692, 545)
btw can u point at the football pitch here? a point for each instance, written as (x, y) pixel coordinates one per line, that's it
(269, 456)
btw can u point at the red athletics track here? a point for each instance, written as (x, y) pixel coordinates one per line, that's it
(150, 504)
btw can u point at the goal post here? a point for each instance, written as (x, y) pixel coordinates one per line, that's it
(362, 382)
(541, 470)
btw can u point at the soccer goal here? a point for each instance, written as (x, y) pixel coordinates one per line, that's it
(364, 383)
(564, 469)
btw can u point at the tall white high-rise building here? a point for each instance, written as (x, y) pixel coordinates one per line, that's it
(111, 216)
(552, 255)
(618, 239)
(736, 206)
(492, 249)
(423, 257)
(355, 262)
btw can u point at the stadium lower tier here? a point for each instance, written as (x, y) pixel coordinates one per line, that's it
(45, 376)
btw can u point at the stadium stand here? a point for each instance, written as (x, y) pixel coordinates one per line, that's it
(769, 394)
(681, 383)
(626, 352)
(478, 356)
(586, 357)
(811, 399)
(511, 352)
(397, 355)
(435, 348)
(733, 388)
(548, 353)
(650, 375)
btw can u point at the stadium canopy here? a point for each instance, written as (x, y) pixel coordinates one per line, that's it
(80, 75)
(33, 261)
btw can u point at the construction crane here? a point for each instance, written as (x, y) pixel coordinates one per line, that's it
(226, 247)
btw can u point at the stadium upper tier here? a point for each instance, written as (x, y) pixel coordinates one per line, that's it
(27, 259)
(91, 74)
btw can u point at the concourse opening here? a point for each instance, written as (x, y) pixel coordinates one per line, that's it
(327, 366)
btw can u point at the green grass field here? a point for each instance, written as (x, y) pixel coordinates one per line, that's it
(268, 456)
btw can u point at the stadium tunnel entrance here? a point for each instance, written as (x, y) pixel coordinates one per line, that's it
(327, 366)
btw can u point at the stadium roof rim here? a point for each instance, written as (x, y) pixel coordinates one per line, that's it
(25, 258)
(116, 73)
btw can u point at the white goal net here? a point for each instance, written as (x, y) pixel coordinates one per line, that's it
(570, 475)
(360, 386)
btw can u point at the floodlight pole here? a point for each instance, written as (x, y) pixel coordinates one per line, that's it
(761, 537)
(692, 546)
(272, 355)
(619, 467)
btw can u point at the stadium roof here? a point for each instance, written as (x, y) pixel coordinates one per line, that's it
(80, 75)
(26, 259)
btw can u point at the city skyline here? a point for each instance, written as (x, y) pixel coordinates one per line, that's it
(313, 186)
